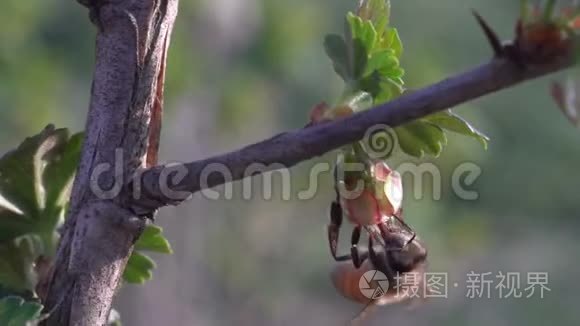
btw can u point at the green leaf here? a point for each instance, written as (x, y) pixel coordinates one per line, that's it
(384, 62)
(337, 51)
(17, 259)
(376, 11)
(391, 40)
(382, 89)
(362, 30)
(389, 90)
(356, 59)
(152, 239)
(34, 188)
(368, 59)
(7, 292)
(34, 184)
(59, 175)
(15, 311)
(452, 122)
(18, 169)
(418, 138)
(356, 55)
(361, 37)
(139, 269)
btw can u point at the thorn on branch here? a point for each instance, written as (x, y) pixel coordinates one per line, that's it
(490, 34)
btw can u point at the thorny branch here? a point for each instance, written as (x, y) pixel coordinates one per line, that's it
(507, 68)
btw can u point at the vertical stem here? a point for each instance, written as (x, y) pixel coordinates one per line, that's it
(100, 231)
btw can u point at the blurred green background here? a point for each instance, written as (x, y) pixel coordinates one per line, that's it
(242, 70)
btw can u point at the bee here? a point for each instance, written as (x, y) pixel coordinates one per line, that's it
(392, 263)
(377, 208)
(394, 249)
(408, 263)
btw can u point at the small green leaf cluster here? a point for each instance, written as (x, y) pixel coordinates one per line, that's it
(35, 183)
(140, 267)
(15, 311)
(367, 57)
(35, 179)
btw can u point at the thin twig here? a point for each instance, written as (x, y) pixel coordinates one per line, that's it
(289, 148)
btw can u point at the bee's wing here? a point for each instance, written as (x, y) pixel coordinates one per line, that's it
(375, 234)
(566, 96)
(400, 234)
(398, 230)
(403, 226)
(394, 297)
(364, 313)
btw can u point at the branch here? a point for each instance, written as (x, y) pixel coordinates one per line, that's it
(289, 148)
(98, 236)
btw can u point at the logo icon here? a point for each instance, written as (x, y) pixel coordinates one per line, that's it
(380, 141)
(373, 284)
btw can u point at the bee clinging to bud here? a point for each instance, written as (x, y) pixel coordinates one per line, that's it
(371, 199)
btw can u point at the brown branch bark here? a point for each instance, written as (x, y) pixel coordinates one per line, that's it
(289, 148)
(100, 229)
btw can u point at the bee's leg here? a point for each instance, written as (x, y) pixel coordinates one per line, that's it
(335, 176)
(357, 257)
(398, 217)
(380, 261)
(411, 240)
(385, 234)
(333, 230)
